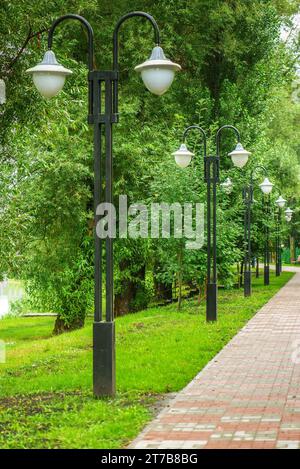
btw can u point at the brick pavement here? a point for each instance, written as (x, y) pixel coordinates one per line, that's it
(248, 396)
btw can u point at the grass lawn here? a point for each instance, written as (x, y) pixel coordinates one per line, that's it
(45, 385)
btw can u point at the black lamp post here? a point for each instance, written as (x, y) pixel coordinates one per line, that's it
(277, 243)
(280, 203)
(248, 191)
(288, 214)
(266, 205)
(49, 76)
(211, 176)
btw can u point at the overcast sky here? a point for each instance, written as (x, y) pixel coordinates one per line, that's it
(295, 29)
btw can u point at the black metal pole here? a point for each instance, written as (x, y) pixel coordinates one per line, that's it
(280, 248)
(248, 200)
(209, 176)
(277, 244)
(267, 253)
(104, 373)
(248, 190)
(211, 288)
(212, 173)
(104, 377)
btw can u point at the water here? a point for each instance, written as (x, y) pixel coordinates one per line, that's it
(10, 290)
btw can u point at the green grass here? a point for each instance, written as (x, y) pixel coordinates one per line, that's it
(45, 385)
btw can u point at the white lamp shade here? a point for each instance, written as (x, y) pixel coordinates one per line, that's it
(157, 80)
(183, 156)
(288, 217)
(49, 76)
(239, 156)
(158, 72)
(266, 186)
(280, 202)
(227, 186)
(289, 212)
(49, 85)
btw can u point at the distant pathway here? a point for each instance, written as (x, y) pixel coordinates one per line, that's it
(248, 396)
(285, 268)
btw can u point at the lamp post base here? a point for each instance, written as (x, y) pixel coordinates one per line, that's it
(266, 275)
(277, 269)
(247, 283)
(211, 302)
(104, 366)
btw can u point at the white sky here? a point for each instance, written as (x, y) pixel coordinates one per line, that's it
(286, 34)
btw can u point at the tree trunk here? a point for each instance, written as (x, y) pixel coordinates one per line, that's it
(132, 297)
(238, 275)
(201, 288)
(73, 308)
(242, 274)
(60, 325)
(163, 291)
(292, 249)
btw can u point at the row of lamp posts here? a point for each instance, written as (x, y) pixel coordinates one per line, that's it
(157, 74)
(248, 197)
(211, 171)
(211, 176)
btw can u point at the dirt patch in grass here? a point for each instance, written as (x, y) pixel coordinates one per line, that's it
(37, 403)
(32, 404)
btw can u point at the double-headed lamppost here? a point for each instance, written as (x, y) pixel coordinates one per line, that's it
(227, 186)
(280, 202)
(266, 187)
(288, 214)
(239, 158)
(49, 77)
(248, 191)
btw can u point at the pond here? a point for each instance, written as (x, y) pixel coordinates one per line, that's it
(10, 290)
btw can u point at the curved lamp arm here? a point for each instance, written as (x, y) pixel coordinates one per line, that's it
(90, 33)
(218, 136)
(132, 14)
(202, 132)
(277, 191)
(254, 172)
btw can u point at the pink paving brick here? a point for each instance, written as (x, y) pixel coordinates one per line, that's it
(248, 396)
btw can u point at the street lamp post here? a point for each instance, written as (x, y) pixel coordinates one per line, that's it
(49, 76)
(266, 187)
(248, 191)
(227, 186)
(277, 242)
(280, 202)
(239, 158)
(288, 214)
